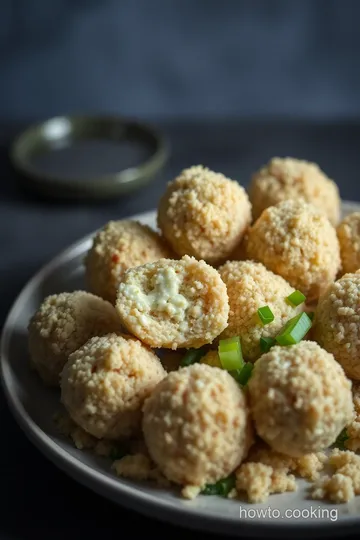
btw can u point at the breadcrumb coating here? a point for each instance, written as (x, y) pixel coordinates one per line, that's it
(120, 245)
(105, 382)
(139, 467)
(300, 398)
(251, 286)
(204, 214)
(290, 178)
(349, 239)
(337, 323)
(296, 240)
(196, 425)
(353, 429)
(173, 304)
(61, 325)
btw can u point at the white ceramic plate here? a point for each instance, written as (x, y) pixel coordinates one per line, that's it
(33, 406)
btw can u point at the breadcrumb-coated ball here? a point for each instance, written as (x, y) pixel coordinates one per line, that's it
(105, 382)
(337, 323)
(349, 239)
(296, 240)
(173, 303)
(251, 286)
(300, 398)
(204, 214)
(120, 245)
(290, 178)
(61, 325)
(196, 425)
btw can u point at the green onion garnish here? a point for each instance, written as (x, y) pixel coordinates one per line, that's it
(294, 330)
(192, 356)
(230, 353)
(222, 487)
(266, 343)
(266, 316)
(296, 298)
(341, 439)
(243, 375)
(311, 315)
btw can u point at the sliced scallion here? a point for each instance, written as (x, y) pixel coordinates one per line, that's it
(192, 356)
(311, 315)
(222, 487)
(266, 343)
(296, 298)
(265, 314)
(230, 353)
(294, 330)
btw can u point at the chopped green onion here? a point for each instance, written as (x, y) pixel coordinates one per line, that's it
(192, 356)
(341, 439)
(265, 314)
(294, 330)
(245, 374)
(296, 298)
(230, 353)
(222, 487)
(311, 315)
(266, 343)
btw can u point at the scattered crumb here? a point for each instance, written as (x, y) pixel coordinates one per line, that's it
(139, 467)
(67, 427)
(190, 492)
(310, 465)
(136, 467)
(337, 488)
(344, 484)
(82, 439)
(232, 494)
(259, 481)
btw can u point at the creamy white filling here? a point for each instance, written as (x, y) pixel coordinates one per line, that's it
(164, 298)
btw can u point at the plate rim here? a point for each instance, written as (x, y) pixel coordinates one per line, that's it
(131, 496)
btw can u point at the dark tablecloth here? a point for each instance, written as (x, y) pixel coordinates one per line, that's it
(36, 496)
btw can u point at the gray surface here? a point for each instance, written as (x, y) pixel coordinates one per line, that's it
(180, 58)
(32, 231)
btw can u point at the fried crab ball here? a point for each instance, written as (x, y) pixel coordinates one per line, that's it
(173, 303)
(204, 214)
(251, 286)
(120, 245)
(296, 240)
(105, 382)
(61, 325)
(337, 323)
(300, 398)
(289, 178)
(349, 239)
(196, 425)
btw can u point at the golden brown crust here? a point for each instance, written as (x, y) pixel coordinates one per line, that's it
(337, 323)
(300, 398)
(204, 214)
(61, 325)
(296, 241)
(196, 425)
(349, 239)
(120, 245)
(289, 178)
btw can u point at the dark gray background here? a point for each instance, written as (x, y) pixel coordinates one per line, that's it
(180, 58)
(231, 83)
